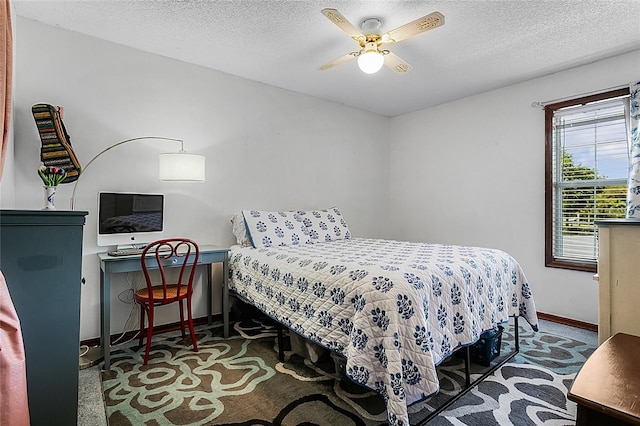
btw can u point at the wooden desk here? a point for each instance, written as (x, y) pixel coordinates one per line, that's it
(118, 264)
(607, 387)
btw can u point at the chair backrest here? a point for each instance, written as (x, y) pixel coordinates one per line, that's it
(174, 253)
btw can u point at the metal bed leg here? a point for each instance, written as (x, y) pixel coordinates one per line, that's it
(467, 369)
(517, 333)
(280, 343)
(470, 386)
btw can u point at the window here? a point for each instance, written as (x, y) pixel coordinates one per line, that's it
(586, 168)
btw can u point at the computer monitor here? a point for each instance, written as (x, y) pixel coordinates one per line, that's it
(126, 219)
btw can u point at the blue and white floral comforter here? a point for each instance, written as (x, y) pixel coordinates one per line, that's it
(394, 309)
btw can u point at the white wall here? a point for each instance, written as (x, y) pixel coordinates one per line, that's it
(272, 149)
(472, 172)
(266, 148)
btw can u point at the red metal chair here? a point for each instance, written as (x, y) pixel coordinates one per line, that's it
(174, 253)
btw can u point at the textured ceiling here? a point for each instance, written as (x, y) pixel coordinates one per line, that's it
(482, 46)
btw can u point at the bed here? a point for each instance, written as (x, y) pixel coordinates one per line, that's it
(395, 310)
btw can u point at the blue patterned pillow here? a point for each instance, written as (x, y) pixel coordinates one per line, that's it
(267, 229)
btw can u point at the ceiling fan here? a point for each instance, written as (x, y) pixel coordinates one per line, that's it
(371, 56)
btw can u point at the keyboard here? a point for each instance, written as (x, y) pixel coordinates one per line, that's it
(134, 251)
(125, 252)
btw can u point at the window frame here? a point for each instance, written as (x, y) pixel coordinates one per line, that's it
(549, 110)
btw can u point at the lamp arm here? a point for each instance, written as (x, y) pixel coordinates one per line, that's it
(84, 169)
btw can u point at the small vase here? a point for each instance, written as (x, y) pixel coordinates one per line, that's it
(49, 198)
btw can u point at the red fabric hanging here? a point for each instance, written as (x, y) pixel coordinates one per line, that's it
(6, 67)
(14, 404)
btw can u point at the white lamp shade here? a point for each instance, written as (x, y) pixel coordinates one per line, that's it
(370, 62)
(180, 166)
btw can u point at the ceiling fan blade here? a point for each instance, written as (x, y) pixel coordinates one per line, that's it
(420, 25)
(337, 18)
(396, 64)
(337, 61)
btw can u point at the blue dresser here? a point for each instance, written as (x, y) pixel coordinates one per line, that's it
(41, 259)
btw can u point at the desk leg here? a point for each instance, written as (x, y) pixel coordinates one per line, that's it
(105, 315)
(225, 295)
(209, 293)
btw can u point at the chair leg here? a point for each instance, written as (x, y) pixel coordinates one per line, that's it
(191, 330)
(149, 336)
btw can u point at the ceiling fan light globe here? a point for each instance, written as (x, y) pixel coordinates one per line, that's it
(370, 62)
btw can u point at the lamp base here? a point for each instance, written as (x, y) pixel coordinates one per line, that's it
(92, 357)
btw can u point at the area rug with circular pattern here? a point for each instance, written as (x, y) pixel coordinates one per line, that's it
(240, 381)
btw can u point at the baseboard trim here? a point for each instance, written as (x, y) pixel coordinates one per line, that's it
(164, 328)
(568, 321)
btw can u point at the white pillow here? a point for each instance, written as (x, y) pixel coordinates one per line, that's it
(240, 230)
(267, 229)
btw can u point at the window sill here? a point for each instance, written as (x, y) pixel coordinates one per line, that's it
(573, 265)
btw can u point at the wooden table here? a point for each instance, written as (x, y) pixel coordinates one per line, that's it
(607, 387)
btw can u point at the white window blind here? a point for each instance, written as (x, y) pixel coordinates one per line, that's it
(590, 167)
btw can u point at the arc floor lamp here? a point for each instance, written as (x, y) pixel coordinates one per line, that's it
(173, 166)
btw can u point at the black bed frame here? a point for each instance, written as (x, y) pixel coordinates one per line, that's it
(467, 356)
(469, 385)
